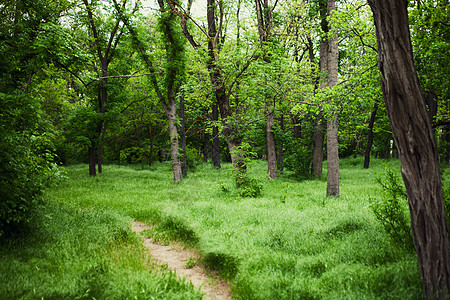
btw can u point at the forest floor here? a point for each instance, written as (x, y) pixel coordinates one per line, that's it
(177, 259)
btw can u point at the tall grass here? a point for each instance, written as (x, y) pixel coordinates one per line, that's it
(291, 243)
(72, 252)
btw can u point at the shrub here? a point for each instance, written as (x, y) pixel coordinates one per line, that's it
(391, 212)
(27, 168)
(249, 187)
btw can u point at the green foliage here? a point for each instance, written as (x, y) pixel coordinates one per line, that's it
(26, 160)
(249, 187)
(391, 210)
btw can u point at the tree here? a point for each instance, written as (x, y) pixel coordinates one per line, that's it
(26, 135)
(174, 67)
(332, 57)
(105, 51)
(416, 145)
(264, 17)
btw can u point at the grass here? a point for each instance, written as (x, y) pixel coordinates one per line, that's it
(290, 243)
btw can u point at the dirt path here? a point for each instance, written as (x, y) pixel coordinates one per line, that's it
(176, 257)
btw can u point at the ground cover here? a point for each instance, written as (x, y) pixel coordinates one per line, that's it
(290, 243)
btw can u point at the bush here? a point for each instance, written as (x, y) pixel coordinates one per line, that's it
(248, 187)
(26, 169)
(391, 210)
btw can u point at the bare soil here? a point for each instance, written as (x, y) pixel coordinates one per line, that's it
(176, 257)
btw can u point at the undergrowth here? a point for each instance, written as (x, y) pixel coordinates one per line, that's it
(70, 252)
(291, 242)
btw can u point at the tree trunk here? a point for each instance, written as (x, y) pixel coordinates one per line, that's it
(230, 130)
(215, 138)
(91, 158)
(270, 142)
(318, 134)
(171, 113)
(297, 128)
(332, 157)
(332, 124)
(370, 137)
(183, 136)
(416, 145)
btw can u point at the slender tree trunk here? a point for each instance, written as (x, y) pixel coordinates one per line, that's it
(416, 145)
(297, 128)
(91, 158)
(183, 136)
(215, 138)
(332, 124)
(319, 134)
(230, 131)
(370, 137)
(270, 142)
(171, 113)
(264, 19)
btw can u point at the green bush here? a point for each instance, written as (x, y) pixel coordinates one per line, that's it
(391, 210)
(26, 169)
(249, 187)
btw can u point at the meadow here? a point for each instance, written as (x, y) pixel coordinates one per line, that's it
(292, 242)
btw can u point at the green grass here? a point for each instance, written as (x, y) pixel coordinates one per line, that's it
(290, 243)
(71, 252)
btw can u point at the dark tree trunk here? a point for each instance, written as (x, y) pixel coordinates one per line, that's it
(416, 145)
(183, 136)
(370, 137)
(297, 128)
(91, 158)
(215, 137)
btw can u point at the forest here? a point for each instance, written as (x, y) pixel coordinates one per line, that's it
(300, 148)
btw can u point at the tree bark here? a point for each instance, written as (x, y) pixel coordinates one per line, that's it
(171, 113)
(264, 19)
(332, 124)
(416, 145)
(91, 158)
(370, 137)
(270, 142)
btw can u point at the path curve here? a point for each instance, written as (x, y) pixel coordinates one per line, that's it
(176, 257)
